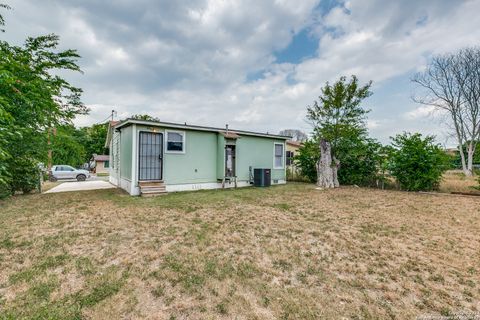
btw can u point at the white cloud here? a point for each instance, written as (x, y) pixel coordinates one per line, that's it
(190, 61)
(420, 112)
(373, 124)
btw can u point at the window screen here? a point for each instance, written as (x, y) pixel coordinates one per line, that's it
(279, 156)
(175, 141)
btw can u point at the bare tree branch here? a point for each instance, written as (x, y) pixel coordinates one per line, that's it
(451, 83)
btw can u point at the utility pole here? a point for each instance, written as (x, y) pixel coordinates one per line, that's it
(114, 113)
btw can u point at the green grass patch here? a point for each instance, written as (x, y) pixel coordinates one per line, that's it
(39, 269)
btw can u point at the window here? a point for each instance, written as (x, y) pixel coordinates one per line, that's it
(175, 141)
(290, 155)
(106, 164)
(64, 168)
(279, 154)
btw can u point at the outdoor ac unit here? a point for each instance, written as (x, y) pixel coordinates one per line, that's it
(262, 177)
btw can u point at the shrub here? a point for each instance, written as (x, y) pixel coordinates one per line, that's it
(307, 158)
(26, 175)
(5, 179)
(360, 160)
(417, 163)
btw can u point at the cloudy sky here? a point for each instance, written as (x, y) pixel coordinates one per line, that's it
(253, 64)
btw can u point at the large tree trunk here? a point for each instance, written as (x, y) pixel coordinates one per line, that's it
(458, 132)
(326, 173)
(463, 161)
(470, 153)
(335, 166)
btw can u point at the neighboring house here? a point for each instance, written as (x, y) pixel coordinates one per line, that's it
(292, 151)
(148, 157)
(100, 163)
(452, 151)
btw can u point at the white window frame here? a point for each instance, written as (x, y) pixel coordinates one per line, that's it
(183, 141)
(283, 155)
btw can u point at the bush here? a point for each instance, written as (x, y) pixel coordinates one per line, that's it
(5, 190)
(4, 180)
(417, 163)
(26, 175)
(360, 160)
(307, 158)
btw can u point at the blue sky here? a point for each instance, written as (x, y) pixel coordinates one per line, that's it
(302, 46)
(254, 65)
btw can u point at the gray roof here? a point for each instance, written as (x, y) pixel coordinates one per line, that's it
(198, 128)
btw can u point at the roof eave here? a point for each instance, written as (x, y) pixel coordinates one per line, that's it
(196, 128)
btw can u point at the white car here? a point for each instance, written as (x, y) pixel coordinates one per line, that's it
(68, 172)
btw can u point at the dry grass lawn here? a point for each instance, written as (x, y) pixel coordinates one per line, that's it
(287, 252)
(455, 181)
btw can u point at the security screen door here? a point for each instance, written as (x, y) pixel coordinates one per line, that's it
(150, 156)
(230, 161)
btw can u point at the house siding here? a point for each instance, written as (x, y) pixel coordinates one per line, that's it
(126, 137)
(220, 156)
(199, 162)
(258, 153)
(202, 165)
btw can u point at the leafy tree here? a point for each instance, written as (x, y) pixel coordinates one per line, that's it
(337, 116)
(33, 98)
(361, 160)
(416, 162)
(26, 175)
(144, 117)
(66, 147)
(297, 135)
(93, 139)
(307, 158)
(2, 20)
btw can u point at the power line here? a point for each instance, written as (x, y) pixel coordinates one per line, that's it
(109, 117)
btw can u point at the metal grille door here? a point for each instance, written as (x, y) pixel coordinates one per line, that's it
(150, 156)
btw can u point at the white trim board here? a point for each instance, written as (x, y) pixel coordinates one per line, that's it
(212, 185)
(134, 159)
(283, 155)
(184, 139)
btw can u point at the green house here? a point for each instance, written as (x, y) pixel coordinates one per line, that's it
(149, 157)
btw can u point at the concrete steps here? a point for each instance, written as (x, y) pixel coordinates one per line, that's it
(152, 188)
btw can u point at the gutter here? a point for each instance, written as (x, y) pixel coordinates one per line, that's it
(197, 128)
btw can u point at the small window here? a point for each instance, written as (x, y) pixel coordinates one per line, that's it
(290, 155)
(175, 141)
(279, 154)
(106, 164)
